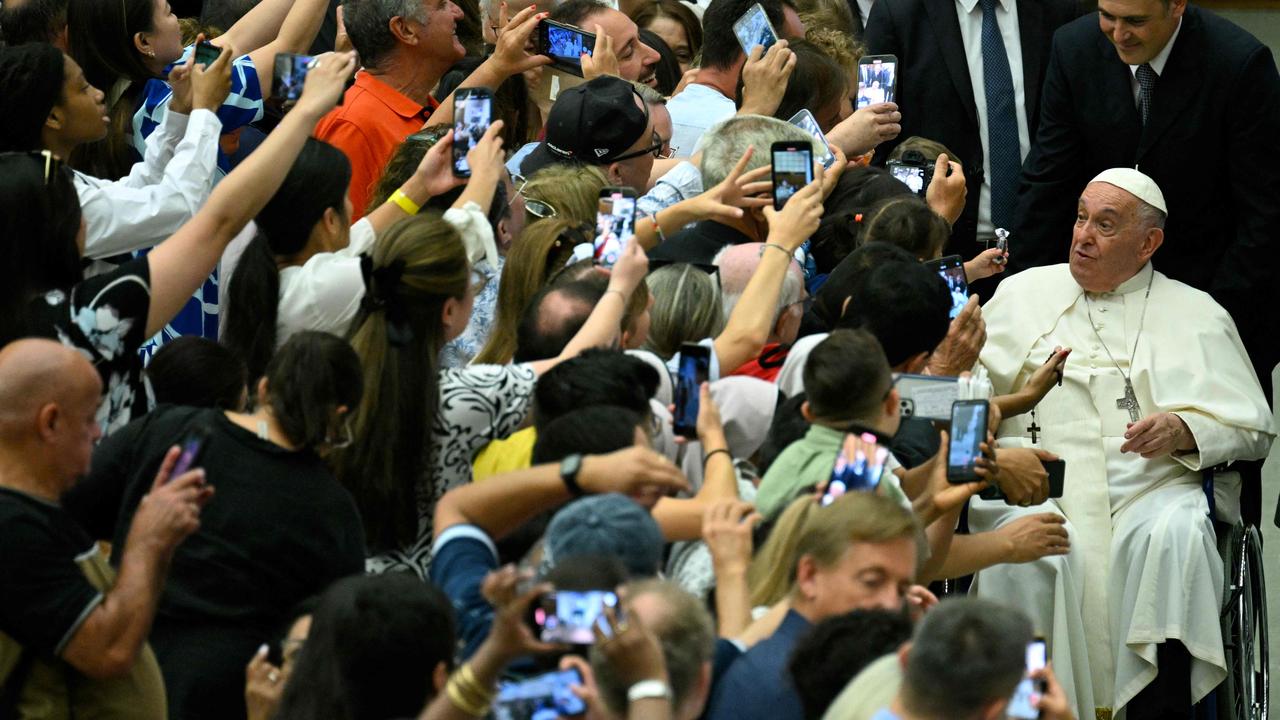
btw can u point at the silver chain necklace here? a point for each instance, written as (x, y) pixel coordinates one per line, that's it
(1130, 400)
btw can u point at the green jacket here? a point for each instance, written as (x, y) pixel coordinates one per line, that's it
(807, 463)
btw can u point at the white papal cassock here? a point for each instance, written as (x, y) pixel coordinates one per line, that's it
(1143, 565)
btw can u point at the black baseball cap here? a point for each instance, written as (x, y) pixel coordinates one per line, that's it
(593, 123)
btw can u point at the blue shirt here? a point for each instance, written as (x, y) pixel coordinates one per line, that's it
(462, 556)
(757, 686)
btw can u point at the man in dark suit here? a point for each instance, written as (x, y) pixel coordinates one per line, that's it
(1210, 138)
(950, 72)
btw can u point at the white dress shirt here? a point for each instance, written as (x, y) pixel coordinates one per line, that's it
(159, 194)
(1157, 63)
(969, 13)
(864, 7)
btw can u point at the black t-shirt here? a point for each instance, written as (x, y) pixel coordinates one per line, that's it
(698, 244)
(45, 595)
(278, 530)
(104, 317)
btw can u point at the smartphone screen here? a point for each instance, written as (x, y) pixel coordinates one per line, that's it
(569, 616)
(289, 74)
(472, 114)
(694, 369)
(968, 430)
(877, 79)
(615, 224)
(564, 44)
(1028, 693)
(792, 170)
(804, 120)
(913, 176)
(191, 447)
(951, 268)
(207, 53)
(856, 470)
(753, 29)
(543, 696)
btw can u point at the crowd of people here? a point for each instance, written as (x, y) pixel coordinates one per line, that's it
(319, 403)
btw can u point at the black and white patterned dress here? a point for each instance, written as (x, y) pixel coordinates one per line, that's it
(478, 404)
(105, 318)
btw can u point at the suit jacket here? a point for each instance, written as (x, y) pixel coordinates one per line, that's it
(935, 92)
(1212, 143)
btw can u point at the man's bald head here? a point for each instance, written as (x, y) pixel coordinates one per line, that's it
(738, 263)
(553, 317)
(49, 397)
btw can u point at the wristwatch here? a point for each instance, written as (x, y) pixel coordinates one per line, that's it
(569, 469)
(646, 689)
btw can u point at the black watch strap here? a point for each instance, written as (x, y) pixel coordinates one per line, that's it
(569, 469)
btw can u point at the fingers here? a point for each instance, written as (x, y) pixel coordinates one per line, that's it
(741, 165)
(166, 466)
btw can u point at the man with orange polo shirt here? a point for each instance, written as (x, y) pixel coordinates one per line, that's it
(406, 47)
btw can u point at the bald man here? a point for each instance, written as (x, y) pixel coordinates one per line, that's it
(737, 263)
(78, 629)
(1158, 387)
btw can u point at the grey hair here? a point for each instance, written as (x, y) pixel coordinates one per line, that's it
(686, 308)
(1150, 215)
(790, 294)
(966, 654)
(648, 95)
(726, 142)
(368, 25)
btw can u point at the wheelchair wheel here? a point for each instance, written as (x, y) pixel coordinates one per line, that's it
(1244, 628)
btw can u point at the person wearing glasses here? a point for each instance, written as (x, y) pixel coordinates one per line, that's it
(280, 529)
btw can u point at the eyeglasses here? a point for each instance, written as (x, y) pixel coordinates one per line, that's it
(670, 153)
(655, 150)
(537, 208)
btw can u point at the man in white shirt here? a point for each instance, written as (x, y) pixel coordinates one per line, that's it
(970, 74)
(1157, 389)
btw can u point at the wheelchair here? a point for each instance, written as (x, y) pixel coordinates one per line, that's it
(1245, 694)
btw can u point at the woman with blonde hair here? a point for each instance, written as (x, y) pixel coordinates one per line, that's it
(418, 425)
(564, 192)
(686, 308)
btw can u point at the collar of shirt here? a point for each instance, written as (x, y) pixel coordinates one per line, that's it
(1158, 62)
(969, 5)
(399, 103)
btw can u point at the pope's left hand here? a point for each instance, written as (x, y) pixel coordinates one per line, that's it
(1158, 435)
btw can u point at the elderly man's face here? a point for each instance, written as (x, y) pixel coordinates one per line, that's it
(1139, 29)
(1111, 241)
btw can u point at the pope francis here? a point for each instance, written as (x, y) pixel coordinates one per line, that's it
(1157, 388)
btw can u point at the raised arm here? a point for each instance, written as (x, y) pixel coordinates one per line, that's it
(725, 201)
(257, 27)
(180, 264)
(296, 35)
(748, 327)
(681, 518)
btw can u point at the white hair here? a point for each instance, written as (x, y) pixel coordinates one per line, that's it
(727, 141)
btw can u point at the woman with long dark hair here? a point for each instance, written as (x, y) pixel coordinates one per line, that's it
(281, 530)
(302, 270)
(418, 425)
(60, 111)
(109, 316)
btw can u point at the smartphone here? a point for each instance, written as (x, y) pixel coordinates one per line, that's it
(926, 396)
(289, 74)
(804, 120)
(564, 44)
(694, 369)
(207, 53)
(792, 169)
(543, 696)
(192, 447)
(753, 29)
(1057, 470)
(615, 224)
(472, 114)
(856, 471)
(951, 268)
(877, 79)
(1026, 697)
(570, 616)
(968, 431)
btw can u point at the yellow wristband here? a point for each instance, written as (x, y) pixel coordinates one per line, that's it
(404, 203)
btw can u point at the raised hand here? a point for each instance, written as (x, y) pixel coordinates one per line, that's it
(325, 83)
(509, 55)
(602, 60)
(631, 472)
(866, 128)
(765, 77)
(798, 219)
(947, 190)
(170, 512)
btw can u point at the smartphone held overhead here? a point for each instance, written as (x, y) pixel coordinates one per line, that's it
(951, 268)
(472, 115)
(1024, 705)
(289, 75)
(858, 467)
(615, 224)
(565, 45)
(805, 121)
(877, 80)
(753, 28)
(792, 164)
(693, 370)
(570, 617)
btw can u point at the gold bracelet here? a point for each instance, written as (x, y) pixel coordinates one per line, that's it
(470, 685)
(404, 202)
(455, 697)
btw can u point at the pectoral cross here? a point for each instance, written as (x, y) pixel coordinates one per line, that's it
(1034, 429)
(1129, 402)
